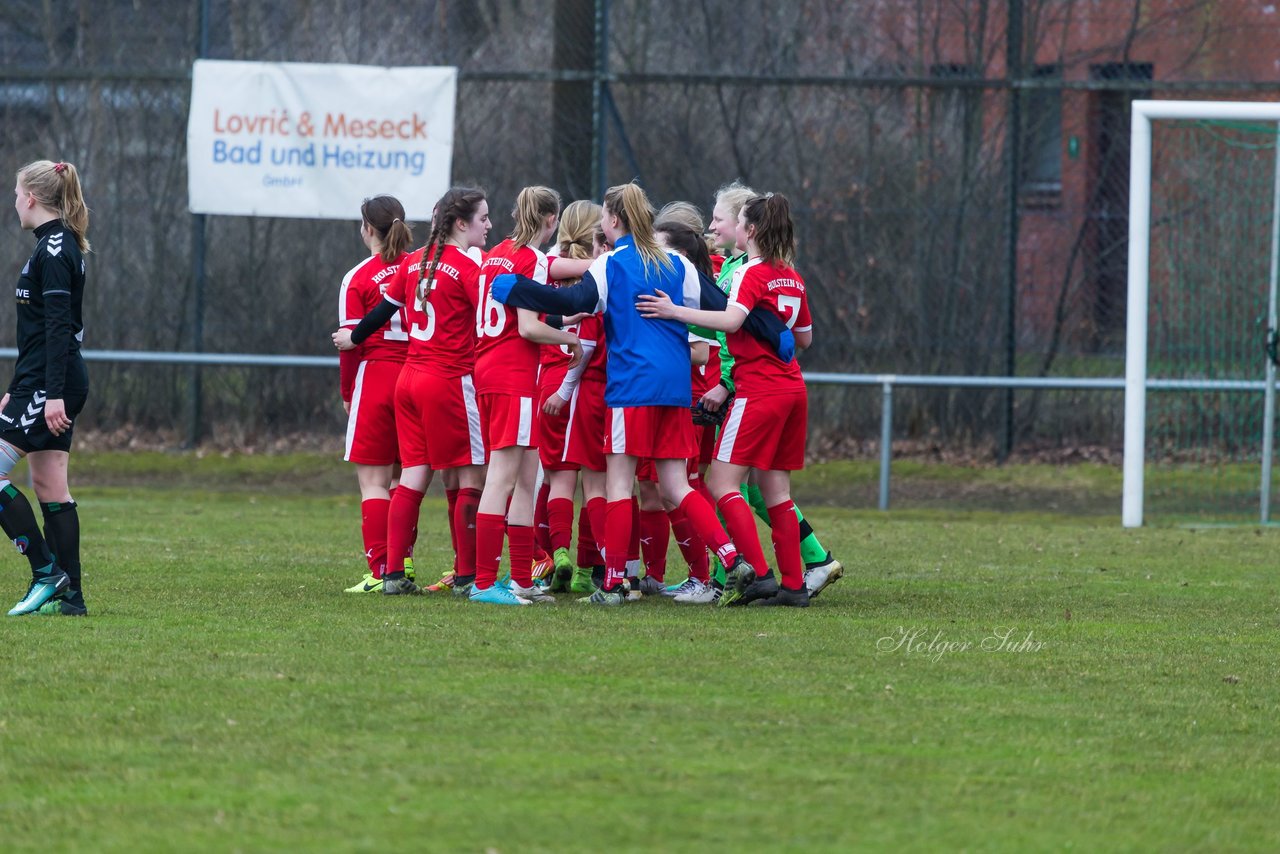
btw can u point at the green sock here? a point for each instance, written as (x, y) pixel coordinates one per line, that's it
(811, 549)
(751, 493)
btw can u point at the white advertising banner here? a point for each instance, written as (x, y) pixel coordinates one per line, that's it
(312, 141)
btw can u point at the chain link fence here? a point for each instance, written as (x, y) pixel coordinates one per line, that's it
(938, 234)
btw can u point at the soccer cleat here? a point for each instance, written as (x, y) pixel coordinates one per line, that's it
(563, 571)
(44, 586)
(542, 568)
(697, 594)
(736, 580)
(650, 586)
(397, 584)
(69, 603)
(820, 576)
(462, 585)
(785, 598)
(611, 598)
(685, 586)
(533, 593)
(495, 594)
(408, 569)
(445, 583)
(762, 587)
(368, 584)
(581, 581)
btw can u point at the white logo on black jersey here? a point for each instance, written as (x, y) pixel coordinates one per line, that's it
(26, 268)
(54, 245)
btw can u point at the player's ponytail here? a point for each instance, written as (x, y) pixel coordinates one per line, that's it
(631, 206)
(56, 186)
(578, 224)
(457, 205)
(385, 216)
(775, 234)
(533, 206)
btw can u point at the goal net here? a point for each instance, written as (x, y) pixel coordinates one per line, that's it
(1202, 243)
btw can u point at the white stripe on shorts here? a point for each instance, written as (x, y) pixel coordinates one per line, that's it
(618, 431)
(729, 432)
(568, 430)
(355, 411)
(525, 433)
(473, 420)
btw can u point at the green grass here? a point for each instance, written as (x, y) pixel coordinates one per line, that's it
(225, 695)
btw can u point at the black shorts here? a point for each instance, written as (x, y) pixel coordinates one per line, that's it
(22, 422)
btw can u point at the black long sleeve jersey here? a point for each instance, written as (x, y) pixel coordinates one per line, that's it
(50, 329)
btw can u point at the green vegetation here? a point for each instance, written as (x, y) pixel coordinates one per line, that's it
(1117, 689)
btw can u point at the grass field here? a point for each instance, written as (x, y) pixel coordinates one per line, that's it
(984, 681)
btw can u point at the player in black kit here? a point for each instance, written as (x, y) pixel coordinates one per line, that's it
(49, 387)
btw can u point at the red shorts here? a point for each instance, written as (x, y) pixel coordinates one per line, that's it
(706, 443)
(646, 471)
(438, 420)
(766, 432)
(508, 421)
(656, 432)
(582, 444)
(371, 426)
(552, 430)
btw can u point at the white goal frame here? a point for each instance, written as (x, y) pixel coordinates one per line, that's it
(1135, 389)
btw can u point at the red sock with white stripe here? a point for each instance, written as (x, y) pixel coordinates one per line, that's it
(560, 522)
(742, 527)
(655, 535)
(520, 542)
(490, 531)
(617, 536)
(402, 524)
(373, 528)
(691, 546)
(786, 544)
(464, 523)
(703, 519)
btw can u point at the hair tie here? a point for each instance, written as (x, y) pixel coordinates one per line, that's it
(59, 168)
(395, 220)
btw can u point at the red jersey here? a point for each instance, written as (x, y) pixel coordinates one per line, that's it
(591, 330)
(362, 289)
(442, 331)
(706, 377)
(505, 362)
(778, 289)
(717, 262)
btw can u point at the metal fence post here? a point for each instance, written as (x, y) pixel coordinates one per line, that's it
(886, 440)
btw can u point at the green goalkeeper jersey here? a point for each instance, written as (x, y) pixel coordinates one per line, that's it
(724, 281)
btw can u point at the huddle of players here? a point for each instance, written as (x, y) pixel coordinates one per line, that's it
(492, 367)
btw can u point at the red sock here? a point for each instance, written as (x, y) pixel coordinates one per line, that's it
(541, 518)
(451, 495)
(373, 527)
(617, 535)
(560, 522)
(633, 545)
(700, 486)
(520, 541)
(464, 523)
(703, 519)
(691, 546)
(596, 511)
(402, 519)
(588, 552)
(742, 527)
(786, 544)
(655, 536)
(490, 530)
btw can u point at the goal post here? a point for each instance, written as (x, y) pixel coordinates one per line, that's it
(1144, 112)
